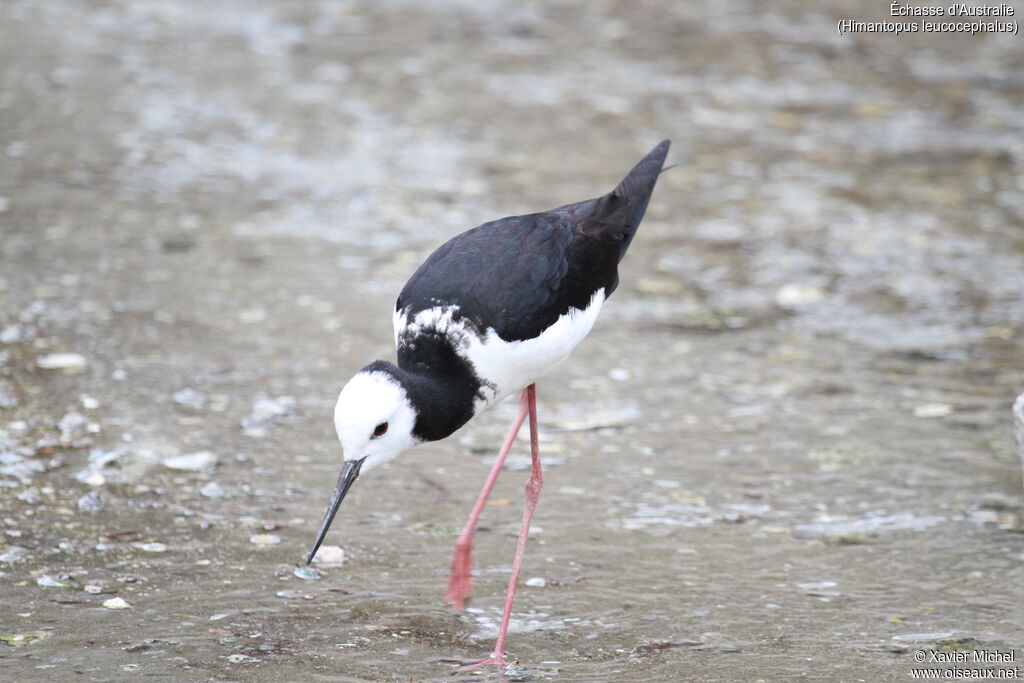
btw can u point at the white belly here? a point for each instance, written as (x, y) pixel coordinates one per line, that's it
(506, 367)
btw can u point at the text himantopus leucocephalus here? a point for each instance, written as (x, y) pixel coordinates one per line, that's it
(488, 314)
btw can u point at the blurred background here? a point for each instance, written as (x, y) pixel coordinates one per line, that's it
(785, 452)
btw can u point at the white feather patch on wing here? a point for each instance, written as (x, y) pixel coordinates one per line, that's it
(506, 366)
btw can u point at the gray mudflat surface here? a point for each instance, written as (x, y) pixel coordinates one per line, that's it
(784, 453)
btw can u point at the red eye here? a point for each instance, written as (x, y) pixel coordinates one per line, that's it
(380, 429)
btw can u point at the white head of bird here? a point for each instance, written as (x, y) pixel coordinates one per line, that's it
(374, 419)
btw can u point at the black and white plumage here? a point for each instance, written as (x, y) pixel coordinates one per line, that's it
(489, 313)
(497, 307)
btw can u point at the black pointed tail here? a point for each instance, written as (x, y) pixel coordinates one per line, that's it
(622, 209)
(640, 181)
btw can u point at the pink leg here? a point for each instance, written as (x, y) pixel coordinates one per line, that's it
(460, 583)
(533, 486)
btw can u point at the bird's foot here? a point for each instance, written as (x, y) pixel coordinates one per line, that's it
(496, 660)
(458, 591)
(460, 583)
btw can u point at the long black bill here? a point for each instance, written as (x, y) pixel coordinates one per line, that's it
(348, 475)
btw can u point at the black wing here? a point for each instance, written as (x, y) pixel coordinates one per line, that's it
(518, 275)
(512, 275)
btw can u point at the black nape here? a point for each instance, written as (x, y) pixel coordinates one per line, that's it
(441, 385)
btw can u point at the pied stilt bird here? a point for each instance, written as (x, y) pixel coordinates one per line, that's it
(489, 313)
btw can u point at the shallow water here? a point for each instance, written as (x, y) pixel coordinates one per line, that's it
(785, 453)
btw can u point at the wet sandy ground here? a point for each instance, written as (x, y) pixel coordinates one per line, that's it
(785, 452)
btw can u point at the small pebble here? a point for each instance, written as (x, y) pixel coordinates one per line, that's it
(152, 547)
(29, 496)
(191, 462)
(292, 594)
(264, 539)
(90, 502)
(14, 553)
(817, 585)
(329, 556)
(18, 639)
(12, 334)
(537, 582)
(796, 294)
(190, 398)
(73, 426)
(240, 658)
(61, 361)
(820, 589)
(933, 410)
(116, 603)
(92, 589)
(212, 490)
(307, 573)
(47, 581)
(94, 479)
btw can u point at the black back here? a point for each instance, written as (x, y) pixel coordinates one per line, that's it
(518, 275)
